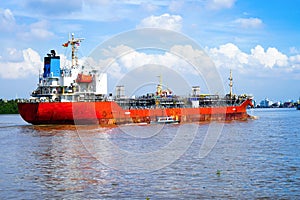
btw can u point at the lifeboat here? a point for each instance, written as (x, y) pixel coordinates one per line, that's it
(83, 78)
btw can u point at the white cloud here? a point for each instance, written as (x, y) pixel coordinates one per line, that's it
(121, 59)
(195, 57)
(117, 61)
(176, 5)
(149, 6)
(270, 58)
(219, 4)
(33, 31)
(38, 30)
(294, 50)
(295, 59)
(295, 62)
(229, 50)
(12, 55)
(92, 10)
(249, 22)
(7, 20)
(29, 63)
(166, 21)
(181, 58)
(230, 56)
(51, 8)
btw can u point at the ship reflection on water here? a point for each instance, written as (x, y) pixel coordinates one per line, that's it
(61, 164)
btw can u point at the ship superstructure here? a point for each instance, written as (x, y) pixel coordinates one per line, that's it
(69, 83)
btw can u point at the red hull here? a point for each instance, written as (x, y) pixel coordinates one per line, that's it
(110, 113)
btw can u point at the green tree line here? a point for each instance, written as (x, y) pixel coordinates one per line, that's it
(8, 107)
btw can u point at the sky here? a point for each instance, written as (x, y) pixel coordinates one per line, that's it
(258, 40)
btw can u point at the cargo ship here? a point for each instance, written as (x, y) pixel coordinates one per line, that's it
(73, 95)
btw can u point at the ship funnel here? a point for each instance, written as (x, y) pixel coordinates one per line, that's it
(51, 65)
(53, 53)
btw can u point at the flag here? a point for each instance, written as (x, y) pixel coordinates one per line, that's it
(65, 44)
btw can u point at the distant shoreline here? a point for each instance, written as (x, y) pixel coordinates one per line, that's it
(9, 106)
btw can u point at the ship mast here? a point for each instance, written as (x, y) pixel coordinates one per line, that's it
(74, 42)
(230, 83)
(159, 86)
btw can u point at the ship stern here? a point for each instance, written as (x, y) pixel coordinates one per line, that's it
(28, 111)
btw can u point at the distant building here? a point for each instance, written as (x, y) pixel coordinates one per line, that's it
(276, 105)
(288, 104)
(266, 103)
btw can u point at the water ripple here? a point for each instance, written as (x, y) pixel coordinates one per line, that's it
(256, 159)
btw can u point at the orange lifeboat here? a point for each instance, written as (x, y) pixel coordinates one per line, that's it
(82, 78)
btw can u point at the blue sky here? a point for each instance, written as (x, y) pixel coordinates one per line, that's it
(258, 40)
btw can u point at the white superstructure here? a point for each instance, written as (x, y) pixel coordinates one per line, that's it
(63, 84)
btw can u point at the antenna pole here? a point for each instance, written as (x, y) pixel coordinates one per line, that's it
(230, 83)
(73, 50)
(74, 42)
(159, 86)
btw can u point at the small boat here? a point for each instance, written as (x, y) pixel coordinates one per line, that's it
(165, 120)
